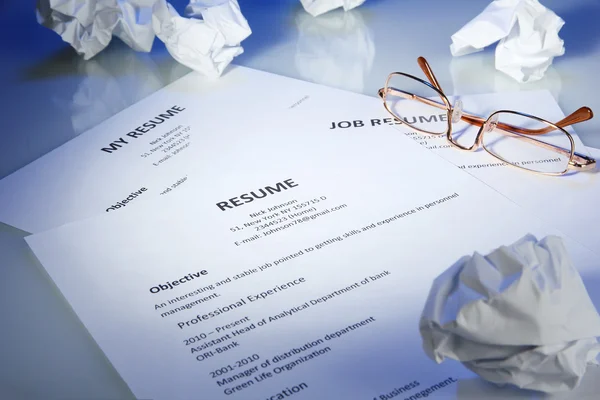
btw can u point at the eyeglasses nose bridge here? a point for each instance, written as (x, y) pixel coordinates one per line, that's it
(457, 111)
(491, 123)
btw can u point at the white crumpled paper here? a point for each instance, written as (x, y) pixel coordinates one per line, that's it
(318, 7)
(207, 45)
(207, 41)
(89, 25)
(528, 35)
(520, 315)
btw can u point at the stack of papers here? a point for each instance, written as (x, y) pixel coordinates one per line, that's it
(278, 246)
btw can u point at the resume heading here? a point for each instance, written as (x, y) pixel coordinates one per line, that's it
(259, 194)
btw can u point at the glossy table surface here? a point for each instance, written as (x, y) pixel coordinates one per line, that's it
(49, 95)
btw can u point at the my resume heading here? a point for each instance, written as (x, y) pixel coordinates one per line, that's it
(142, 129)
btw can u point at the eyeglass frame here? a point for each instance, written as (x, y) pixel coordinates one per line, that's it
(576, 161)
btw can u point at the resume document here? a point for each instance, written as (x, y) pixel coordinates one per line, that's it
(292, 268)
(149, 149)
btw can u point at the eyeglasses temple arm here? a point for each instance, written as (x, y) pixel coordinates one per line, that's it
(579, 115)
(429, 73)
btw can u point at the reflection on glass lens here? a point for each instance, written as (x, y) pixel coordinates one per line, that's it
(416, 104)
(528, 143)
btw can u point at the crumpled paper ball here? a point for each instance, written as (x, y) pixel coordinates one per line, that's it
(533, 42)
(206, 40)
(88, 26)
(528, 35)
(318, 7)
(520, 315)
(207, 45)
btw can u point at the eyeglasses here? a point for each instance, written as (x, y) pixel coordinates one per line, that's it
(517, 139)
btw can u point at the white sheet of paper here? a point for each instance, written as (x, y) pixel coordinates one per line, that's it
(565, 202)
(184, 293)
(110, 165)
(79, 179)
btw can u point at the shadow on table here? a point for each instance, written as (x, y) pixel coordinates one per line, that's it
(336, 49)
(270, 22)
(478, 389)
(92, 91)
(46, 351)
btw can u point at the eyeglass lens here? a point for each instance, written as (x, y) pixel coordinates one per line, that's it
(507, 138)
(426, 111)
